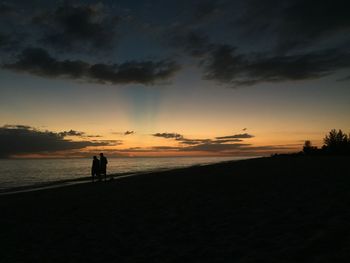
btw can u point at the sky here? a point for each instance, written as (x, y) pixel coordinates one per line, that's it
(171, 78)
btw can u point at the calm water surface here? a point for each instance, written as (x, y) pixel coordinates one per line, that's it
(26, 172)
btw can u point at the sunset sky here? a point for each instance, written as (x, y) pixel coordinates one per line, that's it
(171, 78)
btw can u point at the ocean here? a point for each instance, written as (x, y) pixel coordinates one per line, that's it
(17, 173)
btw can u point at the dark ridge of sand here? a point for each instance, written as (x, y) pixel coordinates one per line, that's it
(281, 209)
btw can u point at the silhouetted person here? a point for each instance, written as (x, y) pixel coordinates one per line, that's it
(103, 166)
(95, 168)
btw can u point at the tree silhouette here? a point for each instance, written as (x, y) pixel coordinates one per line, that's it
(336, 142)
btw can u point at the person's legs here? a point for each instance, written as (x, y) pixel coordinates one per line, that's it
(104, 173)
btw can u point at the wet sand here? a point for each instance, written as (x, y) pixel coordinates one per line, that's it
(280, 209)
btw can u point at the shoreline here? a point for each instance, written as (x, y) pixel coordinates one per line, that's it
(87, 179)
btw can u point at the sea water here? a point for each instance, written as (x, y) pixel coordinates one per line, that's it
(30, 172)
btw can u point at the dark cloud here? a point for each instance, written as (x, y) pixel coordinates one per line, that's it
(204, 142)
(3, 39)
(8, 43)
(226, 140)
(92, 136)
(236, 43)
(129, 132)
(305, 22)
(71, 133)
(226, 145)
(181, 139)
(344, 79)
(291, 24)
(221, 144)
(147, 72)
(193, 141)
(6, 8)
(225, 65)
(22, 139)
(207, 9)
(236, 136)
(75, 27)
(286, 37)
(37, 61)
(193, 43)
(169, 135)
(166, 148)
(108, 142)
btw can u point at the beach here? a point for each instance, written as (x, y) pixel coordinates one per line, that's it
(276, 209)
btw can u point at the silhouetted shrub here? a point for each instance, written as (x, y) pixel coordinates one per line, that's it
(308, 148)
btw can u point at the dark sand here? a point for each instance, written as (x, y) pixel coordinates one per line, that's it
(281, 209)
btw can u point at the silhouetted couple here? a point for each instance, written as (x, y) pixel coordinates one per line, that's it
(99, 168)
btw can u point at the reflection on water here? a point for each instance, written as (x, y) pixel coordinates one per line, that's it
(24, 172)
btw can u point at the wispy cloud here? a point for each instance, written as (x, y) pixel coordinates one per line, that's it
(236, 136)
(129, 132)
(168, 135)
(219, 144)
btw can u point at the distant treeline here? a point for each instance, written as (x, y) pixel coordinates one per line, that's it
(335, 143)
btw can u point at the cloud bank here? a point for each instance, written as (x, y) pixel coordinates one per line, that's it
(37, 61)
(22, 139)
(235, 43)
(73, 26)
(219, 144)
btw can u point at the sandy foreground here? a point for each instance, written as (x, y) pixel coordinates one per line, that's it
(280, 209)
